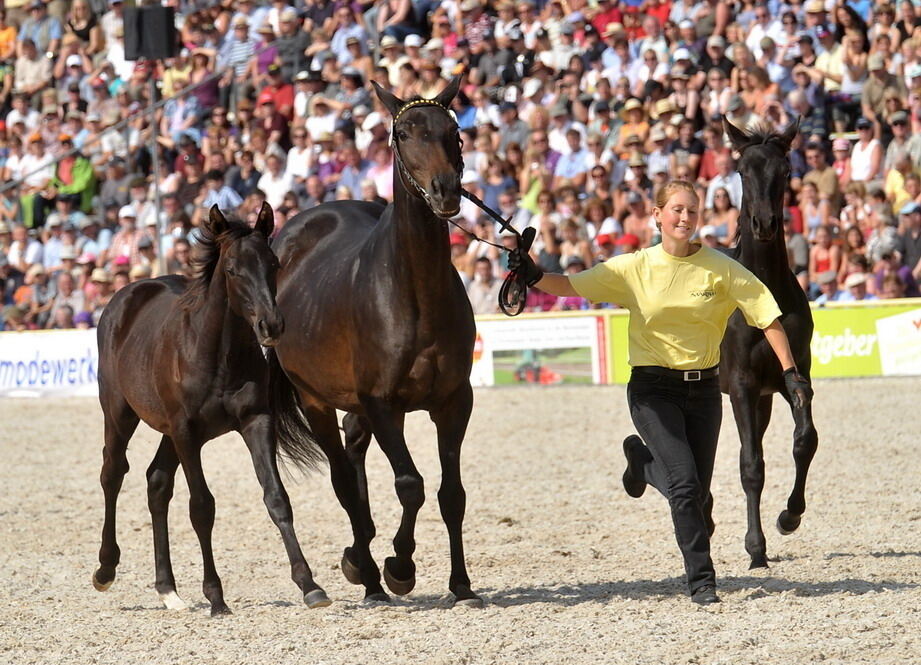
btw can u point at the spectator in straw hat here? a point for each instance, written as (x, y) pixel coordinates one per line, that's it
(635, 124)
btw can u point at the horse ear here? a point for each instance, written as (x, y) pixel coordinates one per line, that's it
(737, 137)
(790, 133)
(215, 223)
(391, 101)
(265, 222)
(446, 96)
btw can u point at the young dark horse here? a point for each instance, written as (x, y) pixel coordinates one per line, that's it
(185, 357)
(750, 373)
(377, 325)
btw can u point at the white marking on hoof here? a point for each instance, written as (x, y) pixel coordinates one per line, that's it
(172, 601)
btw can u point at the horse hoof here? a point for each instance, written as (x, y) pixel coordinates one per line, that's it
(220, 610)
(787, 522)
(172, 601)
(464, 597)
(379, 597)
(349, 569)
(400, 577)
(317, 598)
(759, 561)
(99, 584)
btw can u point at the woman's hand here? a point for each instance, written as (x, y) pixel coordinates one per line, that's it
(521, 263)
(799, 390)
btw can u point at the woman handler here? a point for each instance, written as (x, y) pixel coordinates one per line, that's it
(680, 296)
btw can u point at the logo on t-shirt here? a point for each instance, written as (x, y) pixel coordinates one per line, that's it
(703, 294)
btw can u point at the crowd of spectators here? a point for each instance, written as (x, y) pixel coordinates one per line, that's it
(572, 113)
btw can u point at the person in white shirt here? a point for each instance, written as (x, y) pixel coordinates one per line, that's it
(275, 182)
(573, 166)
(727, 178)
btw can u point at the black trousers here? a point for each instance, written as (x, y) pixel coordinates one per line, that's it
(679, 421)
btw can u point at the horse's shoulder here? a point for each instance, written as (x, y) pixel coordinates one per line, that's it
(136, 298)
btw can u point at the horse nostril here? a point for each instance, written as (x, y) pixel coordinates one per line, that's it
(437, 188)
(262, 327)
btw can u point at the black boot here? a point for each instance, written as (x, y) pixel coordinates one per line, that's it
(705, 595)
(637, 455)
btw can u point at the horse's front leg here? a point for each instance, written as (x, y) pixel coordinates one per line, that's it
(451, 421)
(805, 443)
(387, 426)
(259, 434)
(752, 413)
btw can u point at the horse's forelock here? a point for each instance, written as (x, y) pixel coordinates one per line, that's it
(205, 256)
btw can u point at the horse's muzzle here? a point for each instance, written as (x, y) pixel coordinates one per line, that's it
(444, 194)
(270, 328)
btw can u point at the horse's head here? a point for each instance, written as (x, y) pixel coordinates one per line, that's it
(248, 267)
(765, 172)
(426, 146)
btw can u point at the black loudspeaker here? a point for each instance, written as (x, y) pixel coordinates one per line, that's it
(150, 33)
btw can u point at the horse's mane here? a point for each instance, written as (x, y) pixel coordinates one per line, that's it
(205, 256)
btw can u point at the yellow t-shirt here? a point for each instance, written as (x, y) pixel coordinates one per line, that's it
(679, 306)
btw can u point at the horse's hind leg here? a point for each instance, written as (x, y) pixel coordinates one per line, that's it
(752, 414)
(387, 425)
(805, 443)
(451, 421)
(201, 513)
(259, 434)
(161, 476)
(357, 439)
(325, 428)
(120, 423)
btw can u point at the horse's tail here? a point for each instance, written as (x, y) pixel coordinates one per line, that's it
(296, 441)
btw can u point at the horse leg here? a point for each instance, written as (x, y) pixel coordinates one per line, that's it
(201, 513)
(752, 414)
(805, 443)
(120, 423)
(161, 476)
(325, 429)
(259, 434)
(387, 425)
(451, 422)
(357, 438)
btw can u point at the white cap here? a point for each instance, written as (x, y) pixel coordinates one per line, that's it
(413, 40)
(681, 54)
(74, 59)
(373, 120)
(531, 87)
(708, 230)
(127, 211)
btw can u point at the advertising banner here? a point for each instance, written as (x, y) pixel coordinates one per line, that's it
(871, 340)
(61, 362)
(545, 350)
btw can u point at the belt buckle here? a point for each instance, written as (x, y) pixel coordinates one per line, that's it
(692, 375)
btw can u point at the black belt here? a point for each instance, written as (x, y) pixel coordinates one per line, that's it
(680, 374)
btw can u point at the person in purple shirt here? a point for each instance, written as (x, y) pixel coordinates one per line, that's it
(891, 263)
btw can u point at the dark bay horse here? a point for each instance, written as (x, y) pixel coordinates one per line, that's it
(377, 325)
(184, 357)
(749, 371)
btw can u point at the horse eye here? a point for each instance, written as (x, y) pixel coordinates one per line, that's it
(230, 269)
(401, 135)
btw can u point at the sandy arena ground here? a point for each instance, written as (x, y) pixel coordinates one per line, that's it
(572, 570)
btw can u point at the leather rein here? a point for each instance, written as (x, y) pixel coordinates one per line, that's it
(514, 290)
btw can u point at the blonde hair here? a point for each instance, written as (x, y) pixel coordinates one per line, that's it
(665, 192)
